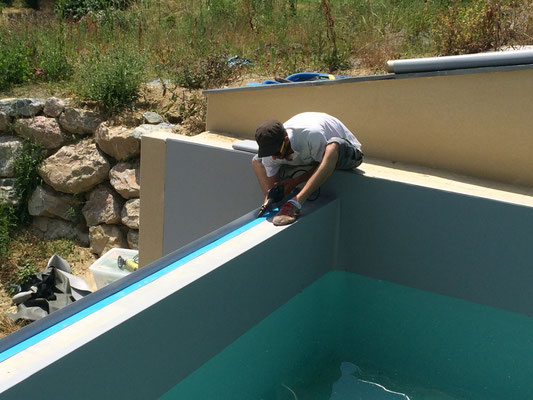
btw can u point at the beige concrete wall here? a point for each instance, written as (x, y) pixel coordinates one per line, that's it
(153, 167)
(474, 124)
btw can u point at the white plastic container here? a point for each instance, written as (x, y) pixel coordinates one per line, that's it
(105, 270)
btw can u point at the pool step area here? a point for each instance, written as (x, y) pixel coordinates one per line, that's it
(149, 336)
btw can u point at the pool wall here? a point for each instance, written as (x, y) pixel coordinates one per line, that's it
(145, 355)
(469, 247)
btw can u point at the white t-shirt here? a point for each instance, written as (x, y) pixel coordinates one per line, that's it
(309, 134)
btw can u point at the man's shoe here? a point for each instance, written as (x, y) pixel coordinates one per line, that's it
(287, 215)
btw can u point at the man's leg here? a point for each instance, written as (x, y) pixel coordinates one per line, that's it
(322, 173)
(264, 181)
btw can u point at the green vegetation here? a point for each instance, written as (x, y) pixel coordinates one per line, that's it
(115, 44)
(15, 63)
(111, 78)
(7, 224)
(27, 161)
(29, 254)
(24, 272)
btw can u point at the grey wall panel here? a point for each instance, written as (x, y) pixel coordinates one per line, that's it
(462, 246)
(206, 188)
(148, 354)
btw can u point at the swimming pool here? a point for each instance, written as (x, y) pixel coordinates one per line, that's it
(420, 288)
(424, 345)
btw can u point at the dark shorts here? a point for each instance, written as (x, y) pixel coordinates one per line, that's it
(349, 156)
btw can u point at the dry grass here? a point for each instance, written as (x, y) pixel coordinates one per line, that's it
(28, 252)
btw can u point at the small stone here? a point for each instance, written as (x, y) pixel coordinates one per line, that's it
(152, 118)
(7, 191)
(102, 207)
(79, 122)
(117, 142)
(21, 107)
(103, 238)
(133, 239)
(130, 213)
(5, 122)
(9, 147)
(44, 130)
(53, 107)
(125, 179)
(146, 128)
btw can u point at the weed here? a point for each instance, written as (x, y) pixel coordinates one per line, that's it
(62, 247)
(27, 161)
(24, 272)
(15, 67)
(211, 71)
(7, 224)
(54, 57)
(73, 212)
(475, 27)
(77, 9)
(113, 79)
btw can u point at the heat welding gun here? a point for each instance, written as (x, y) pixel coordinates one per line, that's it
(274, 195)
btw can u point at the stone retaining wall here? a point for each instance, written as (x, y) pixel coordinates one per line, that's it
(91, 180)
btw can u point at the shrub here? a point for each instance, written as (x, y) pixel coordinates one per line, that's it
(54, 59)
(24, 272)
(474, 27)
(15, 67)
(76, 9)
(27, 161)
(204, 73)
(113, 79)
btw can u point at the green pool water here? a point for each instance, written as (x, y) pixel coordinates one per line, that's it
(421, 344)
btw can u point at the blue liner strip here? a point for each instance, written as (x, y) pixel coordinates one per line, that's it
(124, 290)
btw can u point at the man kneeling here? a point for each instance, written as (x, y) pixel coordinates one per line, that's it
(309, 138)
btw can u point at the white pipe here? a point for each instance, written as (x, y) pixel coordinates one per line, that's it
(494, 59)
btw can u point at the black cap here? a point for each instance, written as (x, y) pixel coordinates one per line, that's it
(269, 136)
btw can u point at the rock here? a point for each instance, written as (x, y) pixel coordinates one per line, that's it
(102, 207)
(42, 129)
(5, 122)
(146, 128)
(125, 179)
(46, 202)
(103, 238)
(7, 191)
(117, 142)
(52, 229)
(130, 213)
(133, 239)
(21, 107)
(80, 122)
(75, 168)
(152, 118)
(53, 107)
(9, 146)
